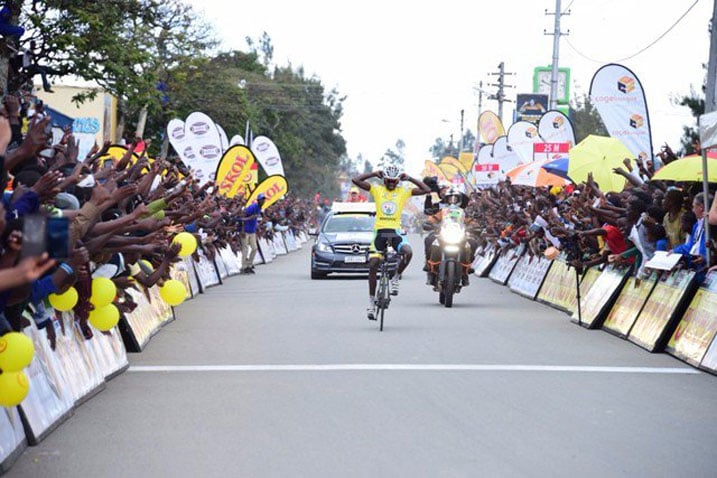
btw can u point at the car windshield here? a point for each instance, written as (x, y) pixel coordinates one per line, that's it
(349, 224)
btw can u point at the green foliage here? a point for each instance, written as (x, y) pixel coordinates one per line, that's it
(394, 158)
(586, 119)
(690, 134)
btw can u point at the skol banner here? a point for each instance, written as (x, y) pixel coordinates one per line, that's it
(504, 155)
(179, 141)
(274, 188)
(203, 136)
(466, 159)
(555, 127)
(619, 97)
(233, 168)
(431, 169)
(267, 154)
(450, 160)
(521, 137)
(490, 127)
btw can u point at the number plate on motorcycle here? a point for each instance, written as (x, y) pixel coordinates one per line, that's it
(355, 259)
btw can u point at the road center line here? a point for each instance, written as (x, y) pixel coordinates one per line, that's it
(411, 367)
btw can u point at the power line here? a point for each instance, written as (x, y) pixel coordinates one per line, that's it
(643, 49)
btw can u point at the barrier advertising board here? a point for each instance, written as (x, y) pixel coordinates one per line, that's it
(698, 326)
(505, 264)
(661, 313)
(599, 299)
(628, 305)
(528, 275)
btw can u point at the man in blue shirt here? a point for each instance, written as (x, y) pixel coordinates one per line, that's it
(248, 234)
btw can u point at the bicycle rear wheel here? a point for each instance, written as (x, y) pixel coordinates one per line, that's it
(383, 297)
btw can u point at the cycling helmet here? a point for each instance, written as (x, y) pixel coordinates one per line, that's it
(453, 197)
(391, 172)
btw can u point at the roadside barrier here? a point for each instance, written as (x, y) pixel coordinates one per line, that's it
(60, 380)
(666, 311)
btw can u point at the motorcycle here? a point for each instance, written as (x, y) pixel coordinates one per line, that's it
(451, 240)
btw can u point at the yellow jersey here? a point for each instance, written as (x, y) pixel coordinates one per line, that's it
(389, 205)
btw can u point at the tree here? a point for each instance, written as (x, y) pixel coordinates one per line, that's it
(586, 119)
(690, 135)
(394, 158)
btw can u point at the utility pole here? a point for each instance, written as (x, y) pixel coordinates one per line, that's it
(556, 53)
(460, 147)
(710, 93)
(500, 94)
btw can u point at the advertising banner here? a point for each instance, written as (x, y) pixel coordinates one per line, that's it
(628, 305)
(237, 140)
(12, 437)
(485, 257)
(547, 152)
(431, 169)
(466, 158)
(180, 142)
(618, 96)
(521, 138)
(490, 127)
(486, 172)
(233, 167)
(505, 264)
(559, 288)
(555, 127)
(223, 141)
(666, 306)
(504, 155)
(449, 171)
(267, 154)
(698, 326)
(450, 160)
(528, 275)
(530, 107)
(273, 187)
(599, 299)
(203, 136)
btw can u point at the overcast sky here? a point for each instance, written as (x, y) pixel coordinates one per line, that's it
(408, 68)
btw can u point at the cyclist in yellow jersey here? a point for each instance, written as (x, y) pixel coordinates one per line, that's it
(390, 200)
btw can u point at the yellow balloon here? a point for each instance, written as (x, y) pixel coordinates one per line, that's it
(104, 318)
(65, 301)
(173, 292)
(103, 291)
(188, 243)
(13, 388)
(16, 351)
(147, 264)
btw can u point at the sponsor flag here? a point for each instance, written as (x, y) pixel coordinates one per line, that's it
(555, 127)
(233, 168)
(521, 138)
(466, 158)
(449, 171)
(504, 155)
(237, 139)
(268, 156)
(619, 97)
(450, 160)
(431, 169)
(223, 138)
(203, 136)
(274, 188)
(490, 127)
(179, 141)
(486, 172)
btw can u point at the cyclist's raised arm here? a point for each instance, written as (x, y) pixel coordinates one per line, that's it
(361, 182)
(420, 190)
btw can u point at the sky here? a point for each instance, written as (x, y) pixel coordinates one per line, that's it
(409, 68)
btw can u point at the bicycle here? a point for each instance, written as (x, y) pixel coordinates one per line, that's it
(388, 267)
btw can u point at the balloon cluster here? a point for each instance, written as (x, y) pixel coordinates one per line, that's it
(16, 352)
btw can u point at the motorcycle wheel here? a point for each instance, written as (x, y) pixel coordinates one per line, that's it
(449, 283)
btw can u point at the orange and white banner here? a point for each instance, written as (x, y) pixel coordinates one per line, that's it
(521, 137)
(555, 127)
(490, 127)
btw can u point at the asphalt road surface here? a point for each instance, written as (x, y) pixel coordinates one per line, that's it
(278, 375)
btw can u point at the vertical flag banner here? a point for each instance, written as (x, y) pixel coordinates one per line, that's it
(274, 188)
(233, 168)
(203, 136)
(619, 97)
(486, 172)
(504, 155)
(179, 141)
(522, 135)
(555, 127)
(466, 158)
(454, 162)
(490, 127)
(237, 140)
(223, 138)
(267, 154)
(431, 169)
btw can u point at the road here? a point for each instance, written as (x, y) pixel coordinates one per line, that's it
(277, 375)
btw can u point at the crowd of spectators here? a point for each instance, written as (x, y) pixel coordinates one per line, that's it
(593, 227)
(122, 214)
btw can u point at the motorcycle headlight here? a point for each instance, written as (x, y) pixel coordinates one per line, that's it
(452, 234)
(323, 247)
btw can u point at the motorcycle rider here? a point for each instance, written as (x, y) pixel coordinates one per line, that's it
(449, 197)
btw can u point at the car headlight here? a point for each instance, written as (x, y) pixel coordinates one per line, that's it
(323, 247)
(452, 234)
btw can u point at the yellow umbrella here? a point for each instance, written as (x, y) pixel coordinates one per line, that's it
(598, 155)
(689, 168)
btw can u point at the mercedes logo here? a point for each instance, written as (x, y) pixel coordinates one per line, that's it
(355, 248)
